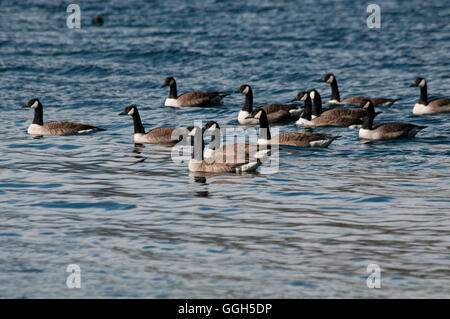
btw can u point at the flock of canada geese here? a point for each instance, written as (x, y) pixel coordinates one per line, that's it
(245, 157)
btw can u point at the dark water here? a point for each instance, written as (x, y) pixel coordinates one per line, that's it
(139, 225)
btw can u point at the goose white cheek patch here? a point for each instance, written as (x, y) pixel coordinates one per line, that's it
(131, 112)
(245, 90)
(193, 132)
(34, 105)
(422, 83)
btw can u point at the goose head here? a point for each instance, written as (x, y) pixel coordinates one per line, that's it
(211, 126)
(420, 82)
(244, 89)
(328, 78)
(368, 106)
(129, 110)
(168, 81)
(33, 104)
(301, 96)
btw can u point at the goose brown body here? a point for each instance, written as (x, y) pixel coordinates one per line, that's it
(298, 139)
(215, 167)
(333, 117)
(333, 112)
(216, 164)
(58, 128)
(305, 139)
(159, 135)
(162, 135)
(385, 131)
(62, 128)
(425, 106)
(235, 151)
(352, 100)
(196, 98)
(276, 113)
(356, 100)
(340, 112)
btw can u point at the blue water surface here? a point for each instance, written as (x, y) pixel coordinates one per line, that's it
(140, 225)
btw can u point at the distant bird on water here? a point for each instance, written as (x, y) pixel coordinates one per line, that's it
(98, 20)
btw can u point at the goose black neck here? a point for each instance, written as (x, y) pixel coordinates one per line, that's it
(335, 91)
(173, 90)
(38, 115)
(264, 130)
(317, 108)
(197, 148)
(423, 95)
(248, 104)
(368, 122)
(138, 127)
(307, 109)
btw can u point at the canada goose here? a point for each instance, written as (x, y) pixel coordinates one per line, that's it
(354, 100)
(337, 111)
(159, 135)
(331, 119)
(423, 106)
(306, 139)
(198, 164)
(55, 128)
(385, 131)
(244, 150)
(202, 99)
(275, 112)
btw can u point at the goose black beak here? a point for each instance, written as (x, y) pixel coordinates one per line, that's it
(123, 113)
(294, 99)
(24, 106)
(321, 81)
(237, 91)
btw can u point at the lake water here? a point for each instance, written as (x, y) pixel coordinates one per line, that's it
(139, 225)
